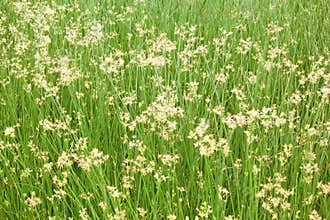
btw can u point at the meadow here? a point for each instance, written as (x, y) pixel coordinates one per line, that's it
(165, 109)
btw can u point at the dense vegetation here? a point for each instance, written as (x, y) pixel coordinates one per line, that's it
(165, 109)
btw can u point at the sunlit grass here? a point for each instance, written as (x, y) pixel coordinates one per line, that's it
(169, 109)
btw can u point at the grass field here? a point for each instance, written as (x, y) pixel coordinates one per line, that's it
(165, 109)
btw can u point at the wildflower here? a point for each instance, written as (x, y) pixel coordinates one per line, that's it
(204, 211)
(83, 214)
(325, 188)
(222, 193)
(33, 200)
(314, 215)
(64, 160)
(142, 212)
(117, 215)
(206, 143)
(221, 77)
(295, 98)
(171, 217)
(10, 131)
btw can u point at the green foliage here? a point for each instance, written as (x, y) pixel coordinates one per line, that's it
(164, 109)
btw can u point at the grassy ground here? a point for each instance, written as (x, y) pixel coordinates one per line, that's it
(164, 109)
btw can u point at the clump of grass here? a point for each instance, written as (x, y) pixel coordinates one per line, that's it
(164, 109)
